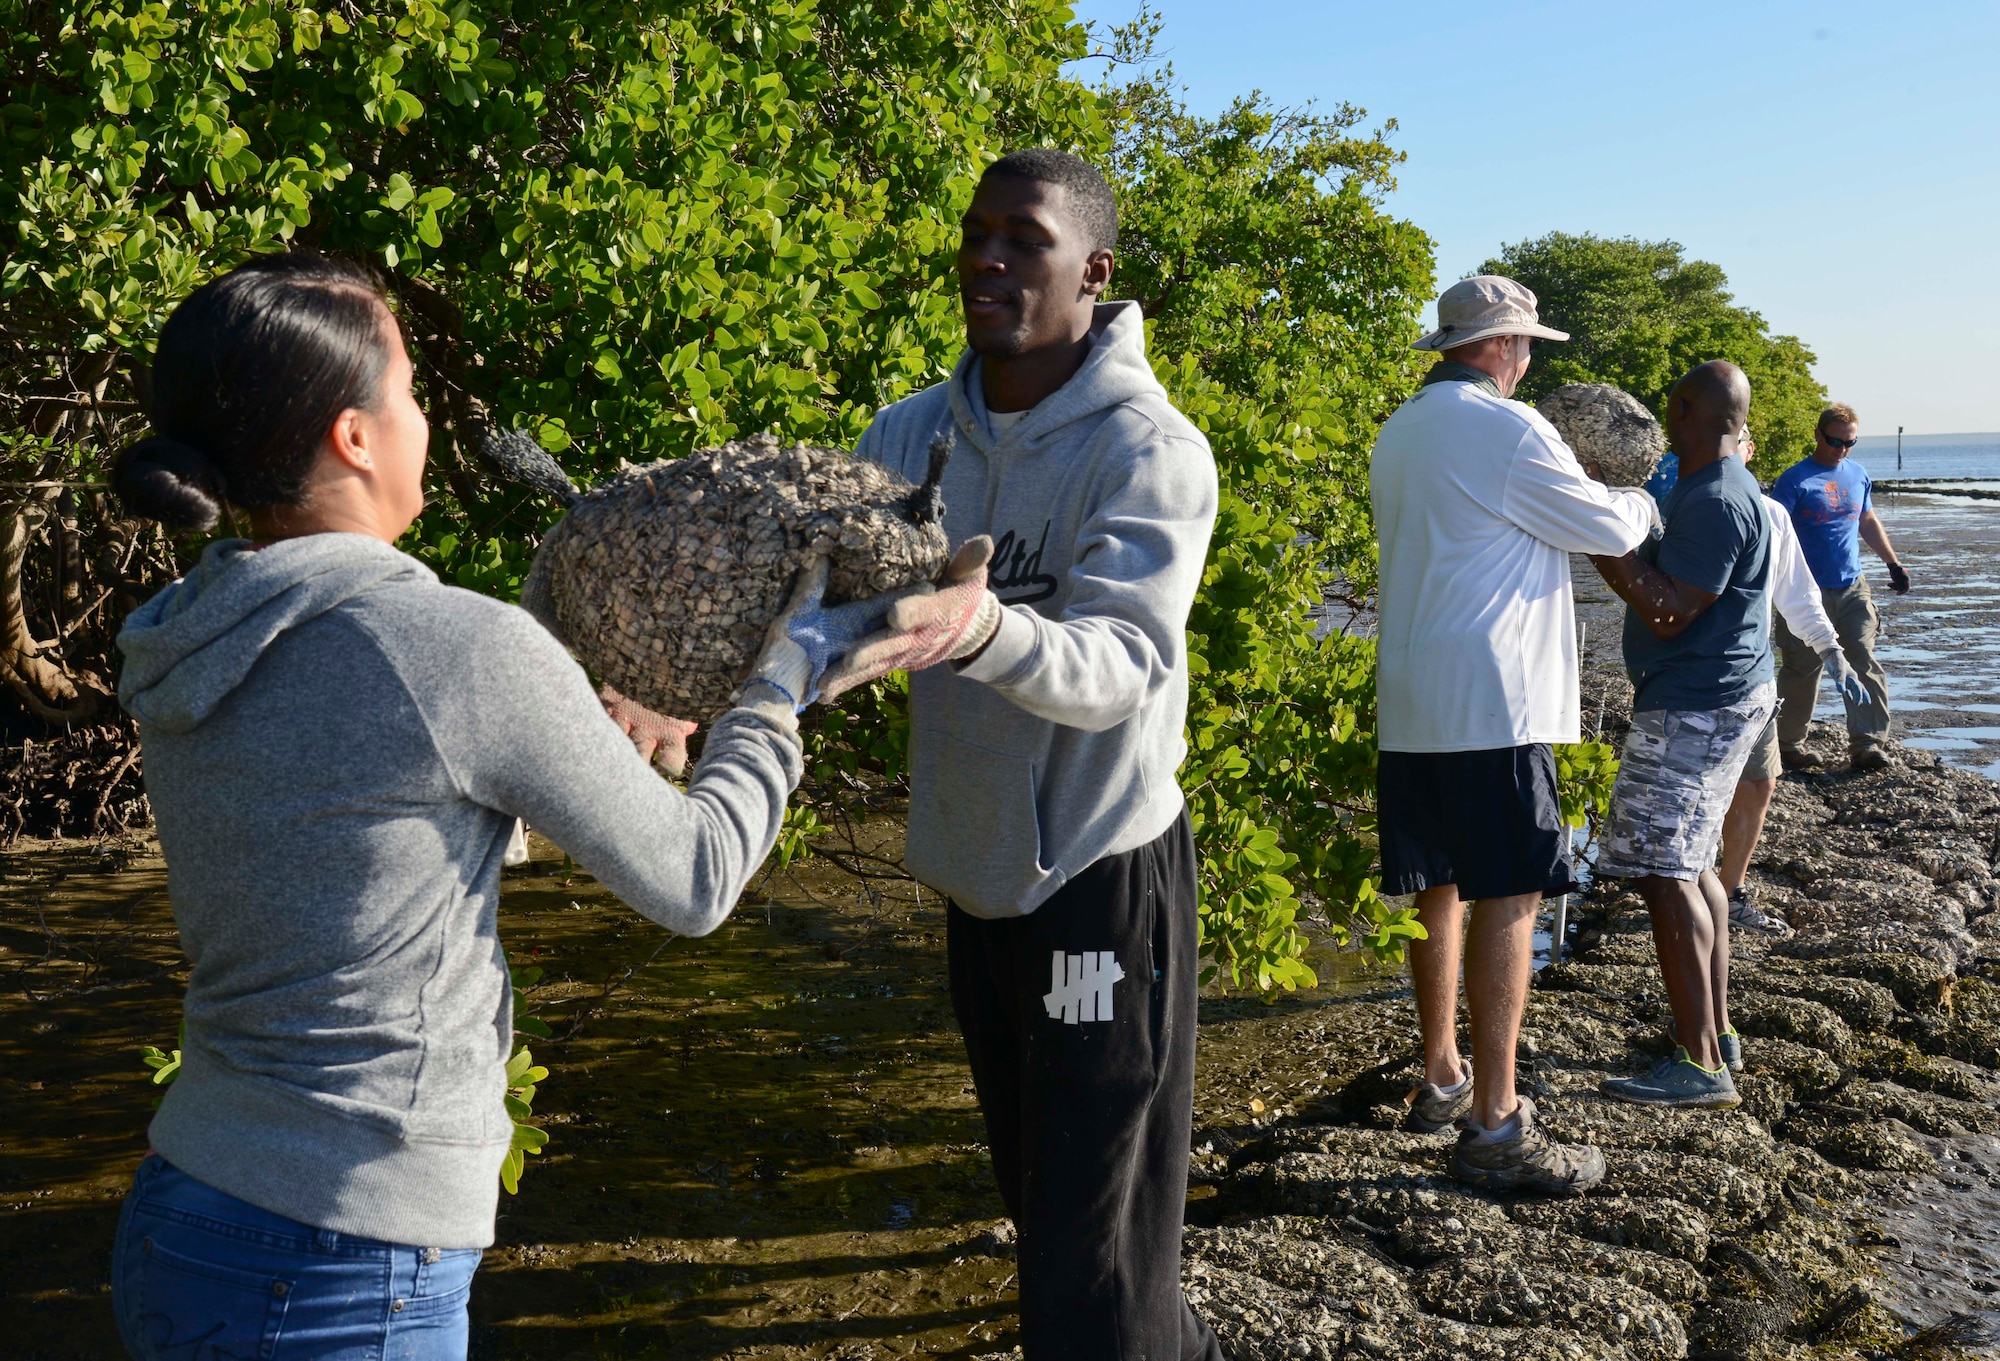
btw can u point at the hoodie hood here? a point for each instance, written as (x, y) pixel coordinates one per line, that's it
(1114, 371)
(192, 644)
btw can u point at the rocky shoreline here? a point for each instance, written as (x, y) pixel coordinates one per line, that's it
(1871, 1036)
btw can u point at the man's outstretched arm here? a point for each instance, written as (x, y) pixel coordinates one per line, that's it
(1877, 538)
(1665, 604)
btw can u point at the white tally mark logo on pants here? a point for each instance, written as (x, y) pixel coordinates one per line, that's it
(1080, 986)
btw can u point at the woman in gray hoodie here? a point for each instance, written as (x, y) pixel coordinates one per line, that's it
(336, 749)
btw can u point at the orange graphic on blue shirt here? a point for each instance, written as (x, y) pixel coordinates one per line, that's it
(1827, 503)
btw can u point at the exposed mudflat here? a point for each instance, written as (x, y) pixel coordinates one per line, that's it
(1871, 1039)
(1940, 640)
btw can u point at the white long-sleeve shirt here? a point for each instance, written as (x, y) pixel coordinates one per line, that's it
(1794, 593)
(1478, 504)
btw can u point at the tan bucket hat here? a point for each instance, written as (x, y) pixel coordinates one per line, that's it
(1485, 305)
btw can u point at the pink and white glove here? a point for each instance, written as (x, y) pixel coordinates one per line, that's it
(927, 624)
(657, 737)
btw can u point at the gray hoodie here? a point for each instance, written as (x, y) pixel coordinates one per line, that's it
(336, 748)
(1057, 745)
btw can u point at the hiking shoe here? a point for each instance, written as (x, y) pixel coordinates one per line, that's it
(1527, 1160)
(1676, 1081)
(1870, 757)
(1435, 1108)
(1798, 758)
(1745, 915)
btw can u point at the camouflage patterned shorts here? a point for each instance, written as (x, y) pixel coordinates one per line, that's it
(1676, 777)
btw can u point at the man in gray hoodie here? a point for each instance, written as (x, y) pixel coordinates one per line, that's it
(1043, 755)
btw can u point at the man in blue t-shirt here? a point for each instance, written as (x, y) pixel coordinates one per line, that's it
(1698, 649)
(1828, 496)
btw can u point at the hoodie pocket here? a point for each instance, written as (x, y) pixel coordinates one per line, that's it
(975, 832)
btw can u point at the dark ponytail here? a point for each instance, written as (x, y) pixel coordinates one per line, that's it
(250, 372)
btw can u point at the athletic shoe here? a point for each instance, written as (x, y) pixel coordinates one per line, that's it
(1745, 915)
(1436, 1108)
(1798, 758)
(1729, 1042)
(1869, 757)
(1526, 1160)
(1676, 1081)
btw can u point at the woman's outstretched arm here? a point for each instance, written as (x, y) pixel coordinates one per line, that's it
(521, 730)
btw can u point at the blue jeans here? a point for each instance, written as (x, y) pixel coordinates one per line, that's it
(198, 1275)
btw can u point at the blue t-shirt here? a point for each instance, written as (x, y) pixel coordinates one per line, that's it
(1663, 478)
(1718, 541)
(1826, 506)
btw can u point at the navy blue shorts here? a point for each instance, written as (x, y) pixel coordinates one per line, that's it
(1487, 821)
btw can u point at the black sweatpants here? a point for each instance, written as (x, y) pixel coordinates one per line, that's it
(1079, 1023)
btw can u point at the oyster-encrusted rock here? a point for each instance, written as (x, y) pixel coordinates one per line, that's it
(1340, 1236)
(664, 578)
(1606, 426)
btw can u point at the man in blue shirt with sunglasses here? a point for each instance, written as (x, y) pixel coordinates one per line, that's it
(1829, 498)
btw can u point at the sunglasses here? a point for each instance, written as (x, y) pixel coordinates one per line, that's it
(1837, 443)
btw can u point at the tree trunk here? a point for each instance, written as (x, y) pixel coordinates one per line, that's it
(48, 691)
(45, 687)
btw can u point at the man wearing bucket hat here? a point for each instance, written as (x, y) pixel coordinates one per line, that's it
(1478, 505)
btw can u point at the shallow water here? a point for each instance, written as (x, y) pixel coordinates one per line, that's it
(1938, 641)
(1943, 1253)
(761, 1142)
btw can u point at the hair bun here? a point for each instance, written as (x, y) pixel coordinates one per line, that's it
(165, 479)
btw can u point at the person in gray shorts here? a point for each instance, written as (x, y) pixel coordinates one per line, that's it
(1698, 648)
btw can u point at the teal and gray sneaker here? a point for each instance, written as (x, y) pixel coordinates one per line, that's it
(1729, 1042)
(1676, 1081)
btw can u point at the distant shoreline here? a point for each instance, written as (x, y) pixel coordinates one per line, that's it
(1975, 438)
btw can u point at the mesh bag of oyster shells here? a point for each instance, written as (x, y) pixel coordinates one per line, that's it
(1607, 426)
(663, 579)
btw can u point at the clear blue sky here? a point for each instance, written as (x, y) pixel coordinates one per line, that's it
(1840, 161)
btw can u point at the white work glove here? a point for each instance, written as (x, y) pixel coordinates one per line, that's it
(1652, 507)
(926, 623)
(786, 677)
(1852, 692)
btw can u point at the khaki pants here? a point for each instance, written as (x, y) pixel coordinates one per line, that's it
(1852, 611)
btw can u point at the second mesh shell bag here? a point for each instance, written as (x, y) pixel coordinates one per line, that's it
(1607, 426)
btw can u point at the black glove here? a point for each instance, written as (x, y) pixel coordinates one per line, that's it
(1899, 580)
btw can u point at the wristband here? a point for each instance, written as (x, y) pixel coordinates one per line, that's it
(789, 697)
